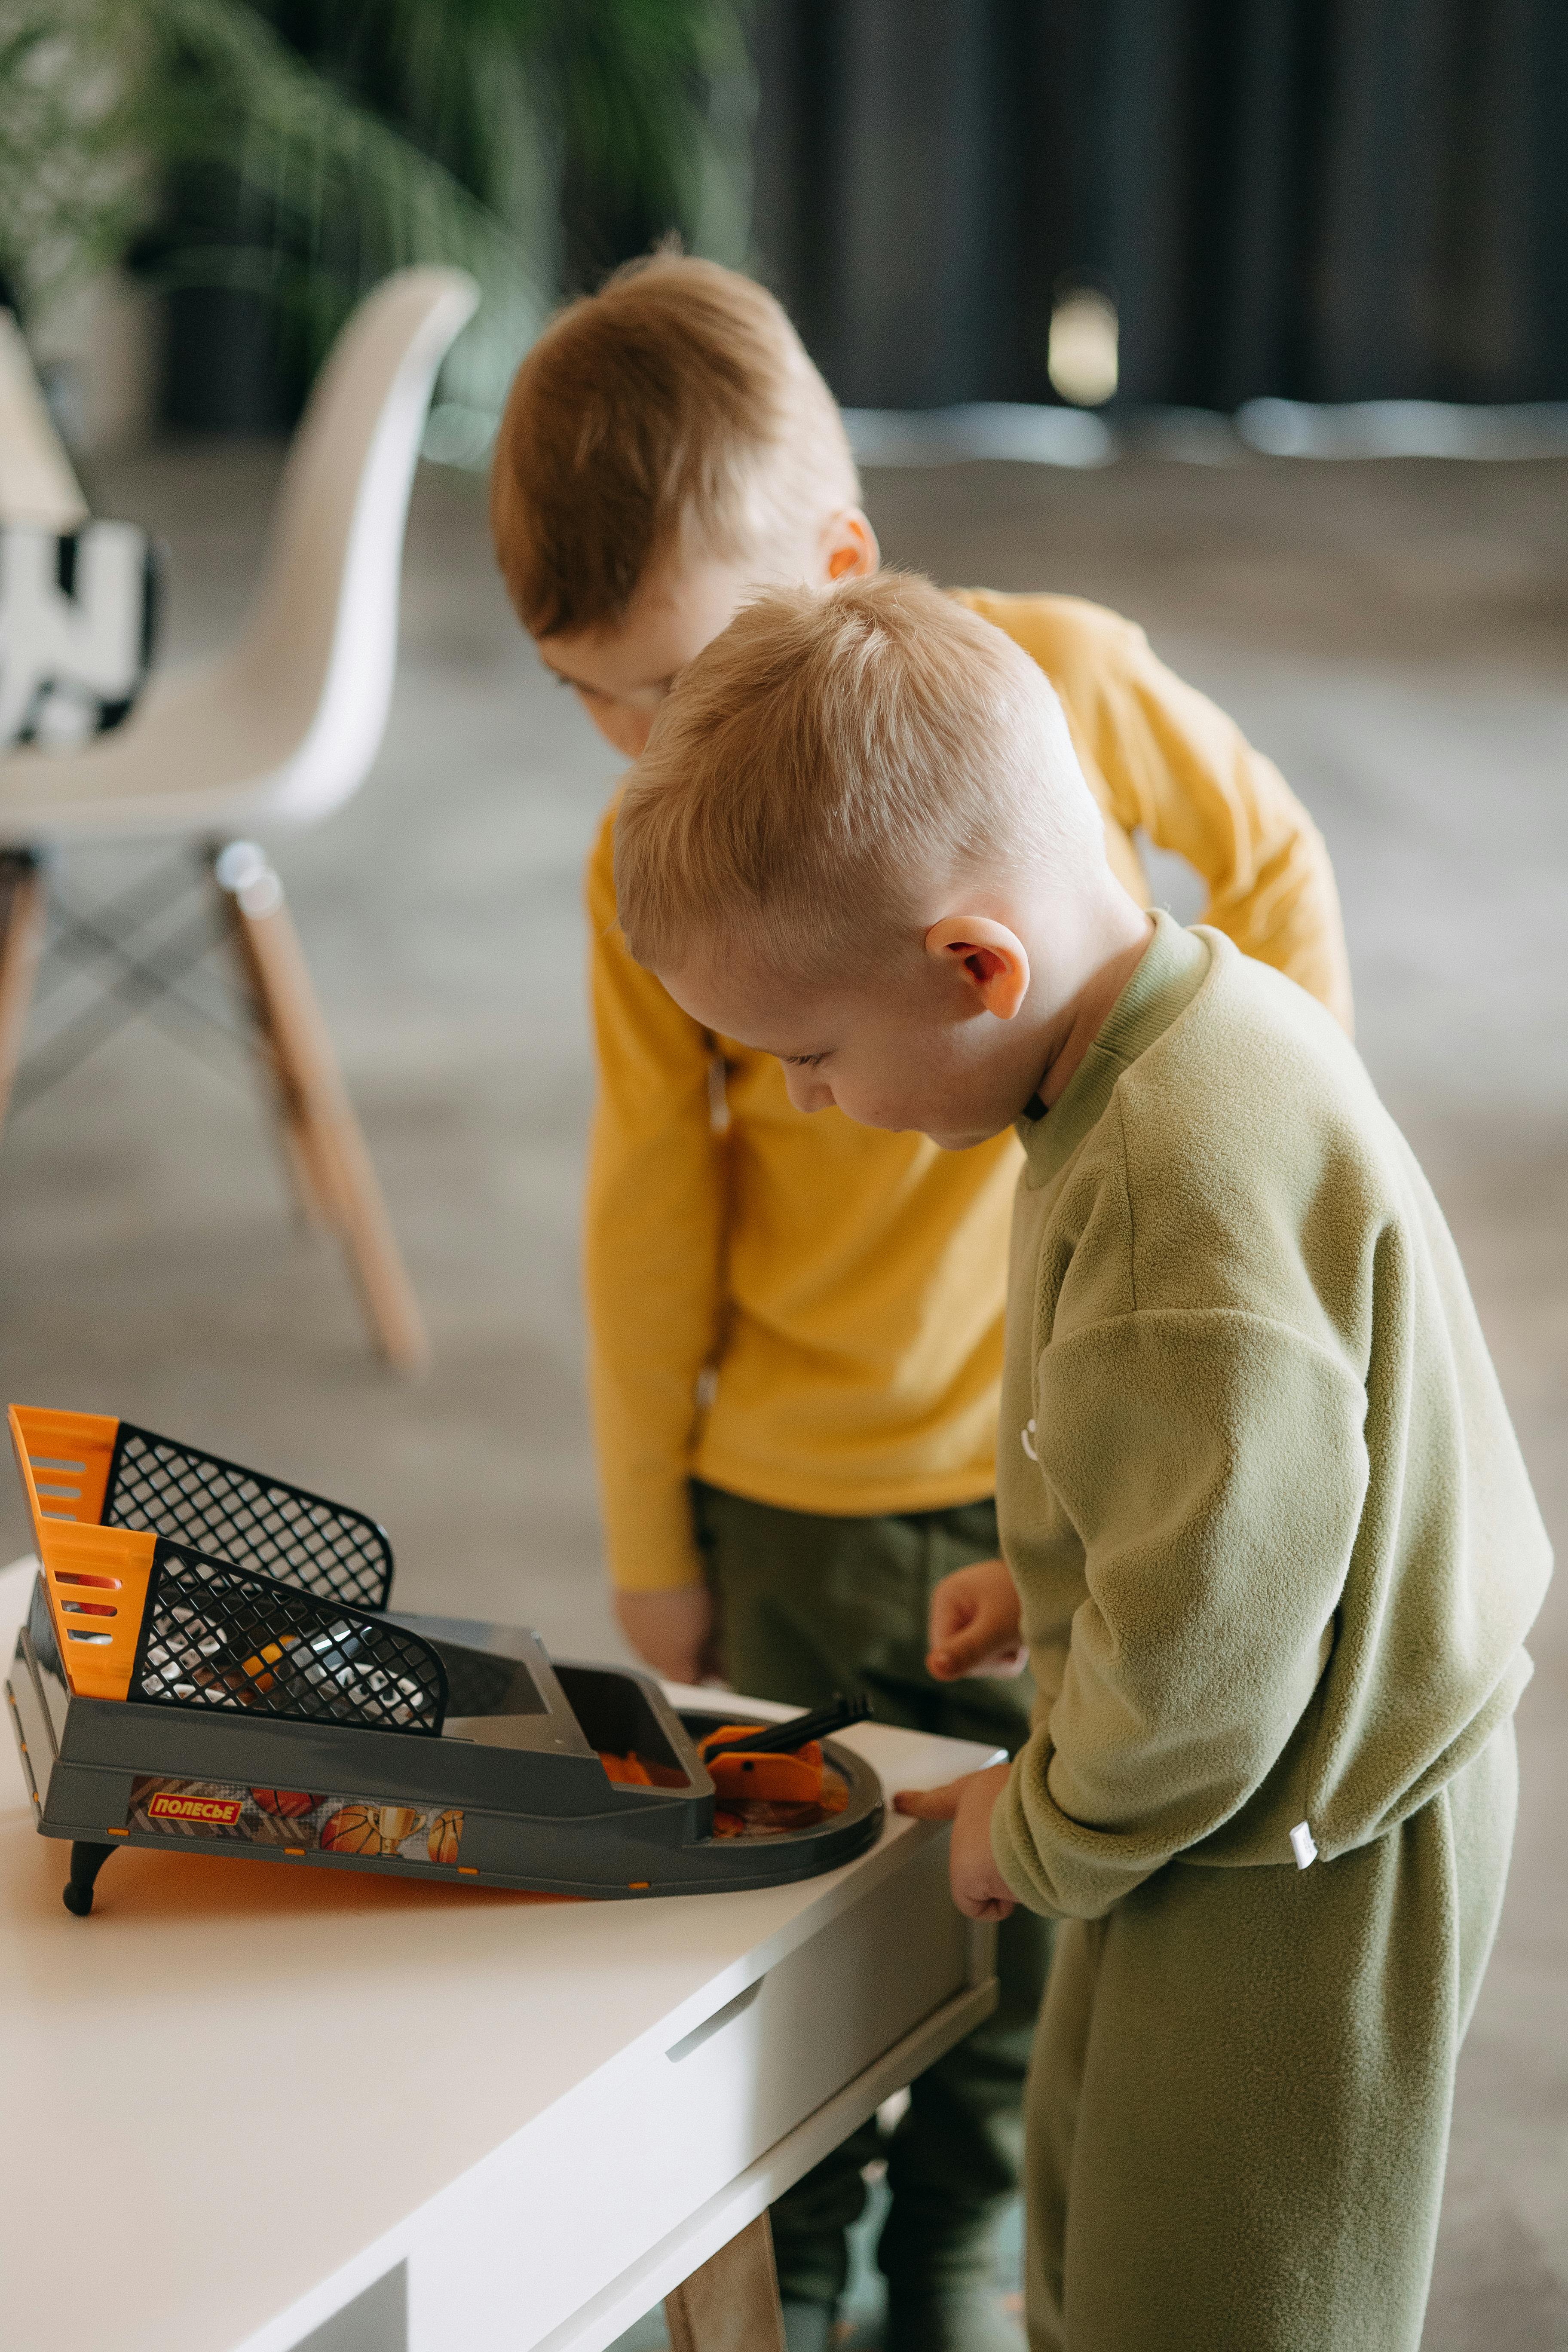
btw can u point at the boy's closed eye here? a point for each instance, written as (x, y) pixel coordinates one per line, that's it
(804, 1061)
(635, 698)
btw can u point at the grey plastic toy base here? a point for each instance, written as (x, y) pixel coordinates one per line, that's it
(516, 1769)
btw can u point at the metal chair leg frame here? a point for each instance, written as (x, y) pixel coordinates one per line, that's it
(319, 1118)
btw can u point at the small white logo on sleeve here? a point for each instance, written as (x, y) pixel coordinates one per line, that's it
(1301, 1846)
(1026, 1439)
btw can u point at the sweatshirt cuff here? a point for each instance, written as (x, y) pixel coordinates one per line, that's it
(1082, 1872)
(1011, 1848)
(652, 1545)
(674, 1581)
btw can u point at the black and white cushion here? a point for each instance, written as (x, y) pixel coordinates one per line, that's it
(78, 618)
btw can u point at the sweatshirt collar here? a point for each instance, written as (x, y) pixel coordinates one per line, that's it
(1169, 975)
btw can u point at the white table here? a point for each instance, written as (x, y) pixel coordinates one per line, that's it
(236, 2100)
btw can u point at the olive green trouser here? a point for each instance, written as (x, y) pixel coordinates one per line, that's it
(809, 1606)
(1238, 2109)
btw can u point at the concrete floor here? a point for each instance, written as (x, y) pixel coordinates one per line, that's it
(1393, 635)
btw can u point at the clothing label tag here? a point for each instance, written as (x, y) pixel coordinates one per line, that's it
(1302, 1847)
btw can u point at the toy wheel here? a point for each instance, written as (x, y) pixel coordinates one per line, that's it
(77, 1898)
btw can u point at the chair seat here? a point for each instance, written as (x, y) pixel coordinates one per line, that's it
(214, 750)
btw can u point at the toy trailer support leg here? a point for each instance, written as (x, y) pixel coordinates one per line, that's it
(87, 1860)
(731, 2302)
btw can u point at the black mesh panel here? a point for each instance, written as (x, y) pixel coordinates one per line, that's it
(229, 1513)
(215, 1636)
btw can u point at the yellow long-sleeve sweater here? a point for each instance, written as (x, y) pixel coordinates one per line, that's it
(810, 1313)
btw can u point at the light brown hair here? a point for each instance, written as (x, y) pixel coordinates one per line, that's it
(828, 760)
(675, 403)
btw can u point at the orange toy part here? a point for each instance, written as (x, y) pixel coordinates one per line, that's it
(95, 1578)
(70, 1453)
(752, 1816)
(256, 1667)
(634, 1771)
(774, 1779)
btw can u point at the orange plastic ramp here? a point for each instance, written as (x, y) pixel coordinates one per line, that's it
(64, 1459)
(95, 1578)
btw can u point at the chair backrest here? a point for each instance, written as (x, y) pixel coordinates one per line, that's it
(321, 639)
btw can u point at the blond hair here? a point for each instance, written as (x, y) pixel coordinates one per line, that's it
(675, 404)
(828, 761)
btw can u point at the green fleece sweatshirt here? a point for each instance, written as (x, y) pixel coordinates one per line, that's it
(1257, 1487)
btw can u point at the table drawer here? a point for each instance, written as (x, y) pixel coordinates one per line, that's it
(749, 2073)
(664, 2129)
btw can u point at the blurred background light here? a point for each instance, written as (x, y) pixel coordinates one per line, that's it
(1404, 428)
(1023, 432)
(1081, 355)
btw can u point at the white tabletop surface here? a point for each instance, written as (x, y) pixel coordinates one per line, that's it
(229, 2082)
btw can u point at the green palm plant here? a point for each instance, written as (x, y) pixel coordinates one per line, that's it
(323, 143)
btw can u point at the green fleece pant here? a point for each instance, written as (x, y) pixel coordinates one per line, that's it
(1239, 2108)
(813, 1605)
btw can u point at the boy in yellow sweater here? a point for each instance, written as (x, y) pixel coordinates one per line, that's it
(797, 1325)
(1269, 1537)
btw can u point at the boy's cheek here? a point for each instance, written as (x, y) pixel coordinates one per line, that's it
(878, 1092)
(625, 731)
(924, 1112)
(868, 1107)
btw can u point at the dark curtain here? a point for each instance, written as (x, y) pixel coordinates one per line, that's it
(1322, 199)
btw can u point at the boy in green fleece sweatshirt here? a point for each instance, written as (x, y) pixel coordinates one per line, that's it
(1270, 1541)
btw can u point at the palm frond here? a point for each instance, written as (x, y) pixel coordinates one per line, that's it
(71, 190)
(414, 131)
(345, 197)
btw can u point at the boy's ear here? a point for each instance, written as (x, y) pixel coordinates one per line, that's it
(992, 959)
(850, 549)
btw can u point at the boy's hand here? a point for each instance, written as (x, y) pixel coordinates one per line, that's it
(975, 1624)
(675, 1632)
(979, 1888)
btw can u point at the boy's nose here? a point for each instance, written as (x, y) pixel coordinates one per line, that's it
(806, 1091)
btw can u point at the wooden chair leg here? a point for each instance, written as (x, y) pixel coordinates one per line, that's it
(311, 1175)
(22, 909)
(731, 2302)
(326, 1145)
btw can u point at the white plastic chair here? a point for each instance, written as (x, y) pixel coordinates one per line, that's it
(279, 732)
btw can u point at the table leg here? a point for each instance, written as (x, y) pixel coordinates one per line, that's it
(731, 2302)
